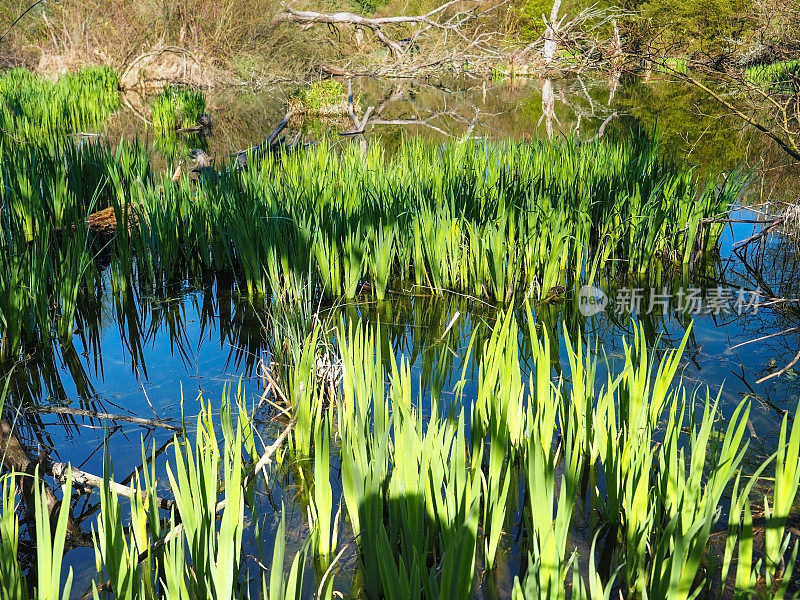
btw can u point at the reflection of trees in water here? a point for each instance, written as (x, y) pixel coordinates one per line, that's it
(694, 126)
(141, 320)
(773, 267)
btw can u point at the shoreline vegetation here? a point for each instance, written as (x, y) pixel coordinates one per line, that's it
(492, 220)
(740, 53)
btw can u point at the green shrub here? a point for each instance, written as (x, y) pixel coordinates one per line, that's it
(709, 27)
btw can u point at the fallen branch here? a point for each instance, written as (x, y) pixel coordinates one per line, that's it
(782, 371)
(88, 481)
(79, 412)
(765, 337)
(601, 132)
(178, 50)
(17, 460)
(310, 18)
(760, 235)
(271, 143)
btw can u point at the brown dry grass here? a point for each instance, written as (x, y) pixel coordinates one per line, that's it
(221, 41)
(222, 35)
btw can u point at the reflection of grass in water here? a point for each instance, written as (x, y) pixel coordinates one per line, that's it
(489, 220)
(675, 110)
(177, 146)
(530, 109)
(318, 129)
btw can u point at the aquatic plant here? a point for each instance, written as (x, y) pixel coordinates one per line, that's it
(31, 107)
(489, 220)
(782, 76)
(427, 501)
(50, 538)
(176, 107)
(324, 97)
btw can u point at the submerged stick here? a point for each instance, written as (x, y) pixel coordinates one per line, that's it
(782, 371)
(80, 412)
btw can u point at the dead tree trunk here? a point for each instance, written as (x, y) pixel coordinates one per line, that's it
(551, 33)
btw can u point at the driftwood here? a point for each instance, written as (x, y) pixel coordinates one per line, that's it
(88, 481)
(103, 223)
(183, 74)
(271, 144)
(602, 130)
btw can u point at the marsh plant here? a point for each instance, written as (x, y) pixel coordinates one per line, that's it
(636, 465)
(176, 107)
(782, 76)
(490, 220)
(321, 98)
(32, 107)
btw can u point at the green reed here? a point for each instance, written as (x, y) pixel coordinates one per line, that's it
(32, 107)
(425, 502)
(491, 220)
(488, 220)
(175, 107)
(782, 76)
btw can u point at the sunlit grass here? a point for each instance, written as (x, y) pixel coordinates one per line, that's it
(425, 501)
(489, 220)
(780, 76)
(176, 107)
(32, 107)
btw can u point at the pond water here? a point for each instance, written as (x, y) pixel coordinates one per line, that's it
(694, 127)
(152, 356)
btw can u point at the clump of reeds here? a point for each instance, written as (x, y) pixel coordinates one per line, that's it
(323, 98)
(638, 464)
(781, 76)
(33, 108)
(488, 220)
(46, 249)
(177, 107)
(491, 220)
